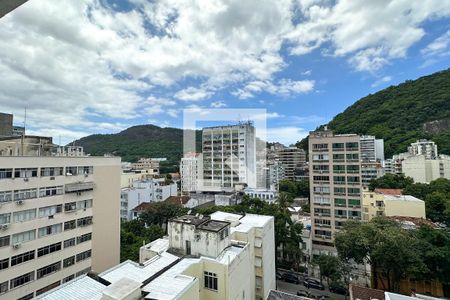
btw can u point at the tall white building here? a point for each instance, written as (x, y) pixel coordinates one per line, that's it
(229, 157)
(219, 257)
(426, 170)
(191, 172)
(292, 159)
(145, 191)
(59, 218)
(372, 149)
(424, 147)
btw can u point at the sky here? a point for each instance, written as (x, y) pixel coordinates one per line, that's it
(100, 66)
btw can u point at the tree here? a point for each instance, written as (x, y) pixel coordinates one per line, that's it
(133, 235)
(295, 188)
(391, 181)
(329, 266)
(390, 250)
(437, 206)
(159, 213)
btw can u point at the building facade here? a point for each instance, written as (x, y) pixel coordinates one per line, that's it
(292, 159)
(59, 218)
(425, 148)
(190, 172)
(426, 170)
(229, 157)
(335, 184)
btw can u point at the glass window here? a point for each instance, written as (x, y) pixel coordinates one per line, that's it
(210, 280)
(25, 194)
(21, 258)
(339, 202)
(47, 270)
(49, 249)
(50, 230)
(71, 206)
(24, 215)
(85, 204)
(72, 224)
(6, 196)
(83, 255)
(84, 221)
(352, 146)
(70, 171)
(354, 202)
(84, 238)
(21, 280)
(25, 172)
(5, 218)
(24, 236)
(6, 173)
(86, 170)
(4, 263)
(67, 262)
(3, 287)
(49, 210)
(339, 169)
(69, 243)
(51, 191)
(4, 241)
(56, 171)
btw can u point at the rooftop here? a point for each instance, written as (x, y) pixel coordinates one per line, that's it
(192, 219)
(401, 198)
(363, 293)
(279, 295)
(412, 222)
(389, 191)
(245, 223)
(213, 225)
(81, 288)
(178, 200)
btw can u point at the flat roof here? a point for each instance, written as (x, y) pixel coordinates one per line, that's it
(401, 198)
(138, 272)
(191, 219)
(213, 225)
(246, 222)
(81, 288)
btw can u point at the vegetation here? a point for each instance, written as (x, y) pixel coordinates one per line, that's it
(140, 141)
(397, 114)
(296, 189)
(436, 194)
(396, 253)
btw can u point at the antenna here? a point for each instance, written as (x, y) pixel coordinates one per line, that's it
(25, 121)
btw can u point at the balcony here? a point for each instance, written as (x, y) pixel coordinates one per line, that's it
(79, 187)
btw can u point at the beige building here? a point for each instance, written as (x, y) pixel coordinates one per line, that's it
(335, 184)
(223, 256)
(381, 204)
(59, 219)
(426, 170)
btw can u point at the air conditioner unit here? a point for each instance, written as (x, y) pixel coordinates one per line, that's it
(319, 215)
(5, 226)
(52, 178)
(25, 179)
(51, 216)
(19, 202)
(16, 245)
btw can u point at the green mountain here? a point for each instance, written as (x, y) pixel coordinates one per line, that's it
(140, 141)
(401, 114)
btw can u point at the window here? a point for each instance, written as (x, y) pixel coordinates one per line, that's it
(51, 191)
(4, 241)
(6, 196)
(322, 222)
(352, 146)
(84, 238)
(21, 280)
(339, 191)
(339, 169)
(3, 287)
(353, 157)
(338, 146)
(47, 270)
(353, 179)
(83, 255)
(50, 230)
(71, 171)
(339, 202)
(86, 170)
(353, 169)
(339, 213)
(354, 191)
(47, 288)
(21, 258)
(4, 263)
(338, 157)
(355, 214)
(27, 297)
(224, 233)
(24, 215)
(71, 206)
(354, 202)
(321, 169)
(5, 218)
(25, 194)
(320, 157)
(84, 221)
(25, 172)
(69, 261)
(321, 178)
(339, 179)
(85, 204)
(68, 278)
(69, 243)
(70, 225)
(320, 147)
(210, 280)
(321, 200)
(49, 249)
(5, 173)
(322, 189)
(24, 236)
(49, 210)
(57, 171)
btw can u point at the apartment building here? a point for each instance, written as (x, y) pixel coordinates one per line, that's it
(335, 184)
(149, 164)
(222, 256)
(190, 172)
(292, 159)
(58, 220)
(424, 147)
(426, 170)
(372, 149)
(381, 203)
(145, 191)
(275, 172)
(229, 157)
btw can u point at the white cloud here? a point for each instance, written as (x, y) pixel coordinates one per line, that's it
(381, 81)
(218, 104)
(284, 87)
(354, 28)
(438, 46)
(286, 135)
(193, 94)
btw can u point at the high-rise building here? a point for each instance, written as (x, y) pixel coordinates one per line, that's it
(425, 148)
(274, 174)
(372, 149)
(229, 157)
(335, 184)
(425, 170)
(6, 125)
(190, 172)
(59, 218)
(292, 158)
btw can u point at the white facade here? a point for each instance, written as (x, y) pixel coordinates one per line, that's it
(190, 172)
(59, 219)
(269, 196)
(292, 159)
(229, 157)
(425, 148)
(372, 149)
(275, 173)
(225, 256)
(152, 190)
(426, 170)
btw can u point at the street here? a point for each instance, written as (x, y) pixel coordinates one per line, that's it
(293, 288)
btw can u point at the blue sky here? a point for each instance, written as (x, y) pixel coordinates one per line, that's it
(89, 66)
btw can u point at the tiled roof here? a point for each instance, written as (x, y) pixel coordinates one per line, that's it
(142, 206)
(363, 293)
(178, 200)
(279, 295)
(413, 220)
(389, 191)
